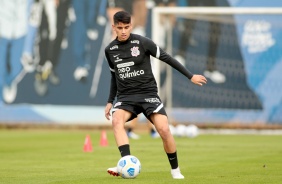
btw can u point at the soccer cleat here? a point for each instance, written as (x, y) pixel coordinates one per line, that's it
(140, 30)
(40, 85)
(101, 20)
(113, 171)
(80, 73)
(53, 78)
(46, 70)
(28, 63)
(176, 174)
(133, 135)
(215, 76)
(10, 92)
(92, 34)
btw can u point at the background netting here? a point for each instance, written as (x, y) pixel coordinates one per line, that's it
(227, 49)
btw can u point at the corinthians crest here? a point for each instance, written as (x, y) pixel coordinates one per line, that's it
(135, 51)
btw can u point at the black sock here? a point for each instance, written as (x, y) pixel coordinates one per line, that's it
(152, 131)
(124, 150)
(172, 157)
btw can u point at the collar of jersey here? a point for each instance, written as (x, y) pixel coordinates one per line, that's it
(129, 38)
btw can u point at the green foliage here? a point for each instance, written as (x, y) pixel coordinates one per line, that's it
(56, 156)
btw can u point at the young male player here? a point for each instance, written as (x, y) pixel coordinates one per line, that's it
(134, 85)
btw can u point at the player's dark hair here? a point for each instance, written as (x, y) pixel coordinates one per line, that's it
(123, 17)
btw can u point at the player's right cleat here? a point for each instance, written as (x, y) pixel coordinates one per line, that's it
(113, 171)
(176, 174)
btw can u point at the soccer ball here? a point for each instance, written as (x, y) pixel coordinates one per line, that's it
(180, 130)
(192, 131)
(129, 166)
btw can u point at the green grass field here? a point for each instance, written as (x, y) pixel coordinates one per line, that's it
(56, 156)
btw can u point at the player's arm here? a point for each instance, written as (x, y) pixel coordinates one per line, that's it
(108, 110)
(160, 54)
(113, 89)
(198, 79)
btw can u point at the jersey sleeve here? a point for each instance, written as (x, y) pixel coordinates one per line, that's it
(113, 87)
(160, 54)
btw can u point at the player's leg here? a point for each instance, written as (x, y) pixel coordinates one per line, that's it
(152, 129)
(10, 89)
(4, 48)
(140, 12)
(211, 70)
(130, 129)
(119, 118)
(79, 37)
(161, 123)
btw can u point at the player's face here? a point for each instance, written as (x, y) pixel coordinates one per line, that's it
(122, 31)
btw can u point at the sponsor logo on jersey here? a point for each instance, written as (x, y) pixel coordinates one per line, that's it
(125, 73)
(131, 63)
(135, 51)
(152, 100)
(135, 41)
(117, 104)
(114, 47)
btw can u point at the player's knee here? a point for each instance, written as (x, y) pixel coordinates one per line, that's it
(117, 122)
(163, 131)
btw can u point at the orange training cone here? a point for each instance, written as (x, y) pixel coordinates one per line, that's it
(87, 144)
(103, 139)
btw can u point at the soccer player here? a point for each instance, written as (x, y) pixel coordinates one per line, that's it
(134, 85)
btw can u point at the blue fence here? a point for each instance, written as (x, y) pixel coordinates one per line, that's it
(53, 70)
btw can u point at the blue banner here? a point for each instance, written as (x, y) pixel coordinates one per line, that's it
(53, 69)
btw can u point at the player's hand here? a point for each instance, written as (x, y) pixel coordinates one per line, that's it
(108, 110)
(199, 80)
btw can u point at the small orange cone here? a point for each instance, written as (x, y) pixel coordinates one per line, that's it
(87, 144)
(103, 139)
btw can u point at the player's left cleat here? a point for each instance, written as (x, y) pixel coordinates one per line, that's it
(176, 174)
(113, 171)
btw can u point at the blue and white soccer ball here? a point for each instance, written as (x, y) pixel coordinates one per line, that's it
(129, 166)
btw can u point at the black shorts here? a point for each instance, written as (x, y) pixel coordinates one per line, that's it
(141, 103)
